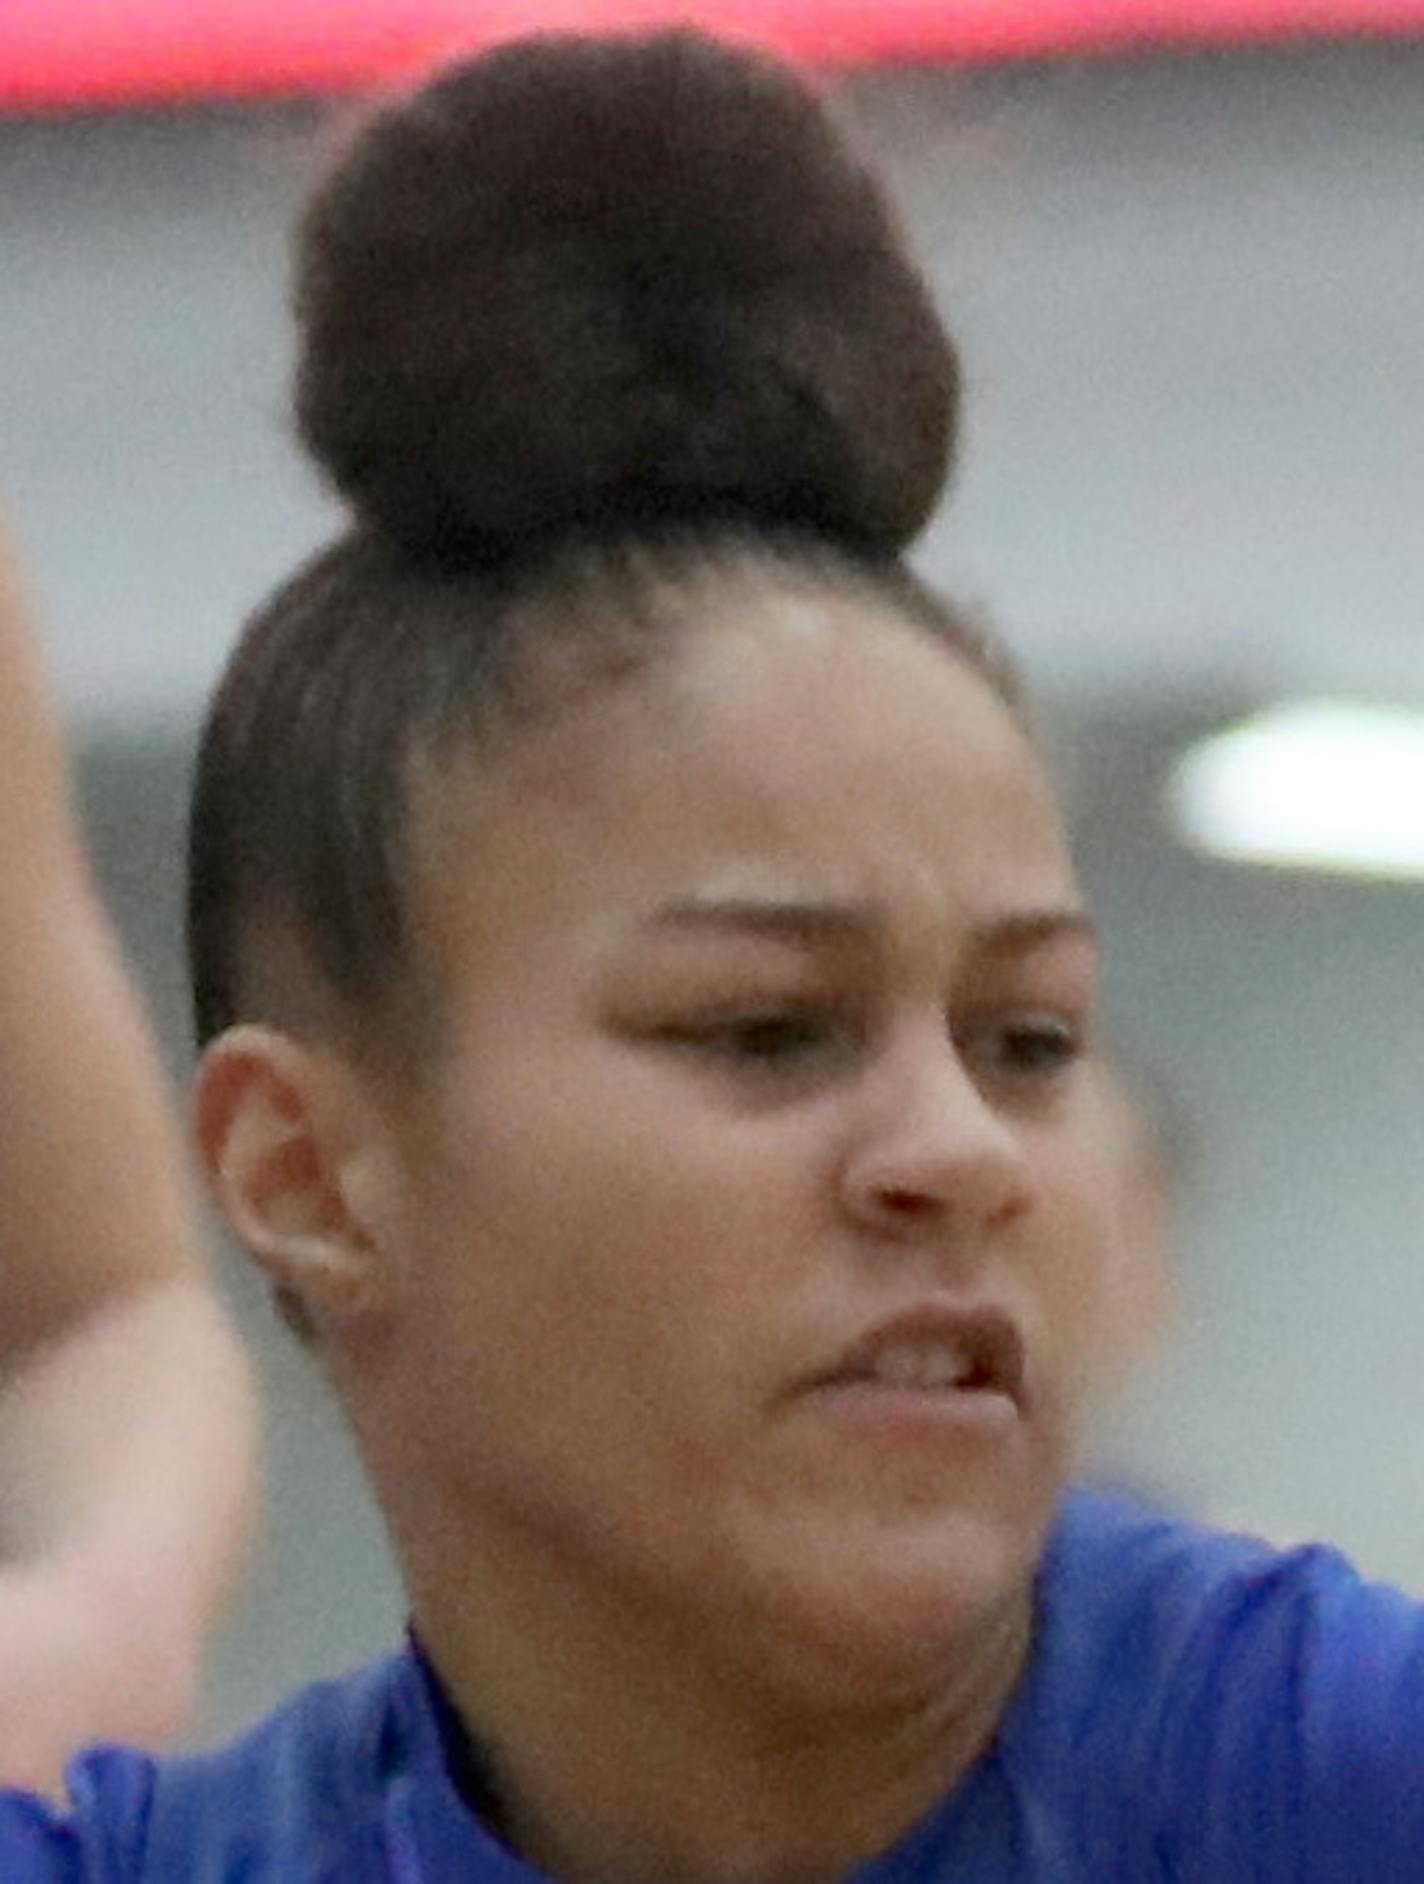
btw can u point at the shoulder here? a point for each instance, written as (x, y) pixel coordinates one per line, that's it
(303, 1794)
(1154, 1610)
(1119, 1565)
(300, 1795)
(1124, 1586)
(1129, 1603)
(1225, 1696)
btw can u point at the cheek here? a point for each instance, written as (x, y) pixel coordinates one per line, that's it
(1138, 1283)
(607, 1233)
(1081, 1271)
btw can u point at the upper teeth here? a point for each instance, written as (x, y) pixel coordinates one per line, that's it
(921, 1364)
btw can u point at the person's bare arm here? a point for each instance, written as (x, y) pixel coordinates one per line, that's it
(127, 1415)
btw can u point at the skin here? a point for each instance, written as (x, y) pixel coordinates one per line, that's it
(127, 1414)
(767, 1016)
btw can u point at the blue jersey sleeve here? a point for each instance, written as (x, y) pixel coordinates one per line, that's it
(1362, 1732)
(97, 1839)
(37, 1844)
(1209, 1710)
(1296, 1748)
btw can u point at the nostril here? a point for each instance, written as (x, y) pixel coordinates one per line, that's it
(907, 1203)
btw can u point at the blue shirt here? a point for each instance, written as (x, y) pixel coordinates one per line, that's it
(1199, 1709)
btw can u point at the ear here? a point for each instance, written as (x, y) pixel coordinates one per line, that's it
(298, 1164)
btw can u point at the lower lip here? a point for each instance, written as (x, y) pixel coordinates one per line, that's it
(964, 1413)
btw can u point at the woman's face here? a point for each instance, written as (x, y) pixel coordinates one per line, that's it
(753, 1221)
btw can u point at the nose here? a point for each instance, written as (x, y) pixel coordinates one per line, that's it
(930, 1152)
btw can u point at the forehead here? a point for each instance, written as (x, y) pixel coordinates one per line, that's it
(800, 745)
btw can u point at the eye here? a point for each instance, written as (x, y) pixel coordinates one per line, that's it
(1031, 1047)
(771, 1040)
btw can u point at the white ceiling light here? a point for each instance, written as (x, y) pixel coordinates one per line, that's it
(1317, 784)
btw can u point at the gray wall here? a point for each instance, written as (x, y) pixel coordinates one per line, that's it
(1189, 294)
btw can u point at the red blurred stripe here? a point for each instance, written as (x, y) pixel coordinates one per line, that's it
(92, 52)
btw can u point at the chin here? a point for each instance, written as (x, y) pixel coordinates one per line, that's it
(889, 1616)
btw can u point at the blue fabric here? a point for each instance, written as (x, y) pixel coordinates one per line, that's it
(1199, 1709)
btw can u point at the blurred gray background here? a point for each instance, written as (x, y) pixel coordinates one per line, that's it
(1189, 293)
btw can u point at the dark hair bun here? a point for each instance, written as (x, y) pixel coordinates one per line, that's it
(605, 283)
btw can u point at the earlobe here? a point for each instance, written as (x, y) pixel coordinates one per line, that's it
(293, 1160)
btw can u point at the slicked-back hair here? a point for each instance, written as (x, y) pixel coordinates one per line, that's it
(365, 665)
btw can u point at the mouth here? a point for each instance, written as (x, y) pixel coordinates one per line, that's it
(937, 1350)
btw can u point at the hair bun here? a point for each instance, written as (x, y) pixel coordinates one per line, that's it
(591, 283)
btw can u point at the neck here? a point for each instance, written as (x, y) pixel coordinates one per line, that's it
(617, 1752)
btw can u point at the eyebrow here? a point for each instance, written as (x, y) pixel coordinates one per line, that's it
(829, 924)
(1022, 930)
(816, 924)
